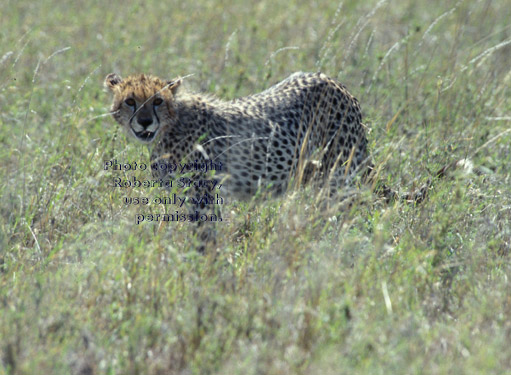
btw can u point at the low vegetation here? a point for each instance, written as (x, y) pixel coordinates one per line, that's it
(297, 286)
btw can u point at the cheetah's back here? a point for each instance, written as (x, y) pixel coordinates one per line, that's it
(266, 139)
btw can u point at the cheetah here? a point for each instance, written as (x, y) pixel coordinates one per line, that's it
(306, 127)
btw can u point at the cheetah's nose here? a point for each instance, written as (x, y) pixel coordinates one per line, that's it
(145, 121)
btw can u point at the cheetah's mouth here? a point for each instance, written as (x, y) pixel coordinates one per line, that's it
(144, 135)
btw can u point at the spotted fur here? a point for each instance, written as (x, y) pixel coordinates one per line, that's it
(307, 126)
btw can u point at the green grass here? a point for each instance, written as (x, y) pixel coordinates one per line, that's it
(297, 287)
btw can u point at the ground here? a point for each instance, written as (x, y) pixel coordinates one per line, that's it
(297, 288)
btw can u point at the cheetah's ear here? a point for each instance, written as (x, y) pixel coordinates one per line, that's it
(174, 85)
(112, 80)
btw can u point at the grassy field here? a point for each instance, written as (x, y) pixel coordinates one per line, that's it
(297, 287)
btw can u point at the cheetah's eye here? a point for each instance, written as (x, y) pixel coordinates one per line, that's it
(131, 102)
(157, 101)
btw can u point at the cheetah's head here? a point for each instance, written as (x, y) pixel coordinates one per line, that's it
(143, 104)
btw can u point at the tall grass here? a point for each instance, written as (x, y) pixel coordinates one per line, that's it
(297, 287)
